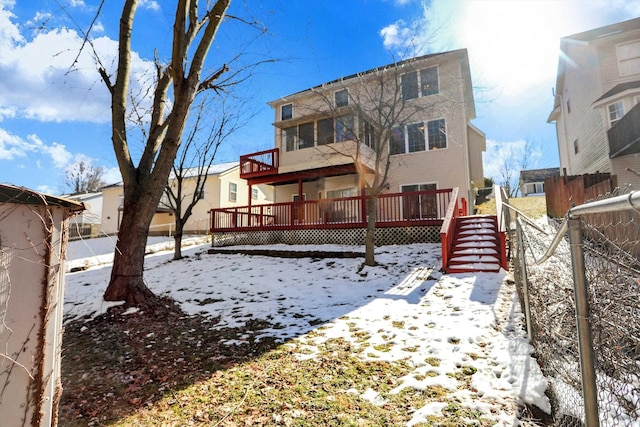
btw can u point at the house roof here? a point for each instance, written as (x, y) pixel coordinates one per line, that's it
(622, 87)
(13, 194)
(191, 172)
(538, 175)
(409, 61)
(606, 31)
(213, 169)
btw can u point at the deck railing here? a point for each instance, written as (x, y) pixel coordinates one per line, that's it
(624, 136)
(259, 164)
(392, 210)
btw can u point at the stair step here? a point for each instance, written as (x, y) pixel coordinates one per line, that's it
(474, 267)
(489, 258)
(478, 238)
(475, 244)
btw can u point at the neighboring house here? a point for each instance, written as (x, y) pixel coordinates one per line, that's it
(596, 107)
(532, 181)
(89, 222)
(223, 188)
(316, 155)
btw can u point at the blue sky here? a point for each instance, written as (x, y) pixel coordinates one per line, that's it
(54, 109)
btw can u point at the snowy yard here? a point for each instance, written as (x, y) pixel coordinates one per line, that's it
(460, 332)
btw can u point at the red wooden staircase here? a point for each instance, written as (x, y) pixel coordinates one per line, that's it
(476, 245)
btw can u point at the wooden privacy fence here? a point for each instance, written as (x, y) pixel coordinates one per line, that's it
(564, 192)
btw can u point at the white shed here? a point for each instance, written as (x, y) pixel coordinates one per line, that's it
(33, 241)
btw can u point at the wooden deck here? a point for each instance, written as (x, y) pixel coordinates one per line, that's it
(392, 210)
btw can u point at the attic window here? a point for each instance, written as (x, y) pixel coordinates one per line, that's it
(342, 98)
(286, 112)
(628, 58)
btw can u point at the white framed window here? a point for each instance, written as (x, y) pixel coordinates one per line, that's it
(254, 193)
(416, 137)
(420, 83)
(628, 58)
(233, 191)
(342, 193)
(201, 194)
(538, 187)
(341, 98)
(286, 112)
(367, 133)
(616, 111)
(298, 137)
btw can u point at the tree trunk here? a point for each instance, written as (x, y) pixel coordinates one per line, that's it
(177, 240)
(369, 239)
(127, 282)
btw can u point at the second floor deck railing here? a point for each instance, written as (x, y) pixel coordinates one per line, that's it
(397, 209)
(260, 163)
(624, 136)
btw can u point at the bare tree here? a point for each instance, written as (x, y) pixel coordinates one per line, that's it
(194, 162)
(515, 159)
(374, 113)
(176, 86)
(83, 177)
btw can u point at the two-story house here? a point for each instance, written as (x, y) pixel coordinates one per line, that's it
(596, 108)
(408, 122)
(223, 188)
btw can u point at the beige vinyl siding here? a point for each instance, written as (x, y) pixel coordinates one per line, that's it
(620, 165)
(584, 123)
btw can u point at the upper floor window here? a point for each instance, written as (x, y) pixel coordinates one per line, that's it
(201, 194)
(417, 137)
(367, 134)
(254, 193)
(233, 191)
(437, 134)
(328, 131)
(628, 58)
(286, 112)
(298, 137)
(576, 147)
(420, 83)
(616, 111)
(344, 128)
(342, 98)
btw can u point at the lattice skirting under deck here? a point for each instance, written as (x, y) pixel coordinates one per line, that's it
(384, 236)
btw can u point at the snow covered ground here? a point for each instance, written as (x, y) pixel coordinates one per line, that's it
(440, 324)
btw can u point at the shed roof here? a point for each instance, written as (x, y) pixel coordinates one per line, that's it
(14, 194)
(537, 175)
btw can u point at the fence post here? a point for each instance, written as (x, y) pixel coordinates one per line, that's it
(523, 278)
(580, 285)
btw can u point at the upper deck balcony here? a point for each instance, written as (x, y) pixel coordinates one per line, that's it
(624, 136)
(262, 163)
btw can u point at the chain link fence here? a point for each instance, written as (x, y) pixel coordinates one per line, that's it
(581, 297)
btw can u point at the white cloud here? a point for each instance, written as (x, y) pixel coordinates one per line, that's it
(511, 155)
(13, 146)
(111, 175)
(396, 35)
(512, 45)
(47, 78)
(149, 4)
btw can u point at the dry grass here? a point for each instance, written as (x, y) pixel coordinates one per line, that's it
(534, 207)
(169, 369)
